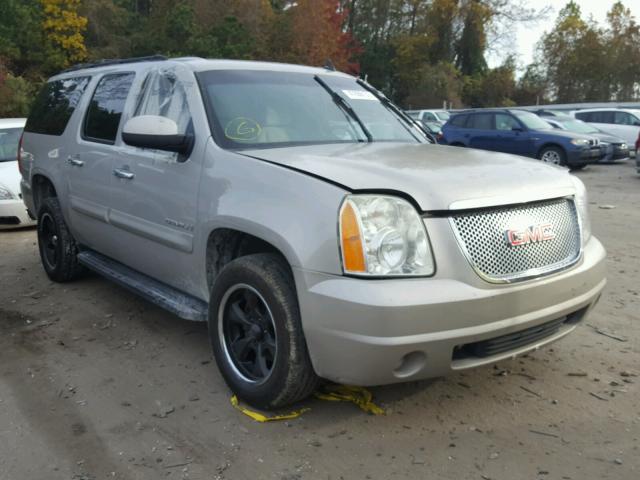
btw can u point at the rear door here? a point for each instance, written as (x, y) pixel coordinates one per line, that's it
(90, 162)
(480, 132)
(155, 205)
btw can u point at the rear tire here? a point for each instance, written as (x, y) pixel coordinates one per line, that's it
(256, 332)
(553, 155)
(58, 249)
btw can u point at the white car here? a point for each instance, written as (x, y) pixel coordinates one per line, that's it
(440, 116)
(13, 212)
(623, 123)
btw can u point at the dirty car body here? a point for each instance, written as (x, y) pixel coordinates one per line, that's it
(408, 260)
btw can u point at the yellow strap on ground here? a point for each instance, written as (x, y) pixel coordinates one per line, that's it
(345, 393)
(259, 417)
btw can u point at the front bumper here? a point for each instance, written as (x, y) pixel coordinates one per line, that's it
(13, 214)
(374, 332)
(585, 155)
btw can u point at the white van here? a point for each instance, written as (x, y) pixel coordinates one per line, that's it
(623, 123)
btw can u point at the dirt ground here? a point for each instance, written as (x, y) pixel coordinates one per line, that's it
(96, 383)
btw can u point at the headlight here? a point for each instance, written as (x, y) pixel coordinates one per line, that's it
(5, 193)
(581, 142)
(383, 235)
(582, 205)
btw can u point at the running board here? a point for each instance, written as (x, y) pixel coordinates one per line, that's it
(181, 304)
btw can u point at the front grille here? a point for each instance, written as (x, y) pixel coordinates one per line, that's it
(513, 341)
(482, 235)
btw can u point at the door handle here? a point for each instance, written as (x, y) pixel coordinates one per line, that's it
(74, 161)
(124, 173)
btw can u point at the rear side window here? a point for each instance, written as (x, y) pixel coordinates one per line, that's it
(596, 117)
(481, 121)
(459, 121)
(55, 104)
(103, 114)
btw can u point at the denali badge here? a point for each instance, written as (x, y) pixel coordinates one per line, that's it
(532, 234)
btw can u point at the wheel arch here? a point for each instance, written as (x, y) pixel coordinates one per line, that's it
(225, 244)
(551, 144)
(42, 187)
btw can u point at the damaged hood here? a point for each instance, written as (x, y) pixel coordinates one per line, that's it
(436, 177)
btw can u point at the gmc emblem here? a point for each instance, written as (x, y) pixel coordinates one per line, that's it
(541, 232)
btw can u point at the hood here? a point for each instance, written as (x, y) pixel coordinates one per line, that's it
(605, 137)
(436, 177)
(564, 134)
(10, 176)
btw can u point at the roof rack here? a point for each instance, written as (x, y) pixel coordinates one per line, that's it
(114, 61)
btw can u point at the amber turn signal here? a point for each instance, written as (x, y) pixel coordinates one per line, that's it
(351, 240)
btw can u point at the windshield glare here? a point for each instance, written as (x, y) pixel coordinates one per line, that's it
(260, 109)
(9, 139)
(443, 116)
(532, 121)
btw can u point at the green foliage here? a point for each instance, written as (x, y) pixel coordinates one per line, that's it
(584, 62)
(15, 95)
(422, 53)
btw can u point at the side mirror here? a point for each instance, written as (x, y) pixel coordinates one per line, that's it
(159, 133)
(517, 129)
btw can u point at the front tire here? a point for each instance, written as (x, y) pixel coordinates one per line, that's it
(58, 249)
(553, 155)
(256, 332)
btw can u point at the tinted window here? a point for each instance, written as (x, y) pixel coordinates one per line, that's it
(9, 139)
(458, 120)
(55, 104)
(105, 109)
(482, 121)
(596, 117)
(506, 122)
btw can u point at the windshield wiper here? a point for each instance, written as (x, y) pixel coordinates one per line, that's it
(390, 106)
(344, 106)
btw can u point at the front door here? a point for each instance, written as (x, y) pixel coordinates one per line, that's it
(156, 191)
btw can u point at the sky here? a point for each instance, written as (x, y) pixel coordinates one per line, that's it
(527, 36)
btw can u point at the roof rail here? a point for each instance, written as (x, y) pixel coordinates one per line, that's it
(114, 61)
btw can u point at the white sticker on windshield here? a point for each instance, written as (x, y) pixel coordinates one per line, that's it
(359, 95)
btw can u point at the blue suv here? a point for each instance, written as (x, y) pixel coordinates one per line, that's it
(521, 133)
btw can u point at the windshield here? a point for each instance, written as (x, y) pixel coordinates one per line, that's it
(262, 109)
(577, 126)
(443, 116)
(9, 139)
(532, 121)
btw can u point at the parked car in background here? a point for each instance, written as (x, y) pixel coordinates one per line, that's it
(13, 212)
(440, 116)
(307, 219)
(434, 128)
(623, 123)
(521, 133)
(615, 147)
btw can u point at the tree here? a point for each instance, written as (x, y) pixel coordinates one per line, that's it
(473, 41)
(64, 28)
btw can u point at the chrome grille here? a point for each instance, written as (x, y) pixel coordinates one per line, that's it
(482, 235)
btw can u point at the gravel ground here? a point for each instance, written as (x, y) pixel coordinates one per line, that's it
(96, 383)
